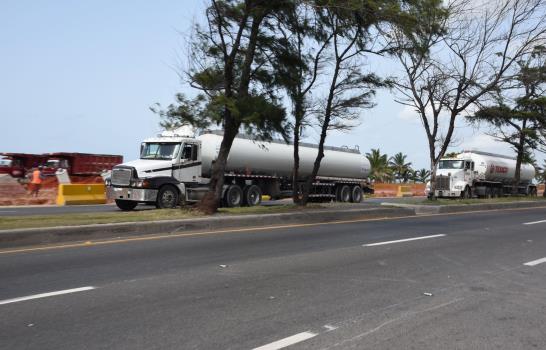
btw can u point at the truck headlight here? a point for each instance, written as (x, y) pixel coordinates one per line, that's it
(142, 183)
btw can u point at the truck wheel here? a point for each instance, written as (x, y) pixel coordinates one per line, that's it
(488, 194)
(167, 197)
(343, 194)
(356, 194)
(233, 196)
(126, 205)
(495, 192)
(467, 193)
(252, 195)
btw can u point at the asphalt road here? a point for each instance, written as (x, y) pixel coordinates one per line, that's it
(462, 285)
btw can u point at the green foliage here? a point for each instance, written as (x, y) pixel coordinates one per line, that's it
(400, 167)
(232, 75)
(379, 163)
(519, 116)
(422, 175)
(185, 112)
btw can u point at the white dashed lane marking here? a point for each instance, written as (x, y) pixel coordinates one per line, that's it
(45, 295)
(535, 262)
(283, 343)
(402, 240)
(534, 222)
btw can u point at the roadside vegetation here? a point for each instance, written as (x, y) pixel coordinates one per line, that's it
(279, 68)
(395, 169)
(36, 221)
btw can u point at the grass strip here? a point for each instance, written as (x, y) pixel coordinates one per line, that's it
(33, 221)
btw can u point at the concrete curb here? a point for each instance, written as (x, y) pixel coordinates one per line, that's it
(446, 209)
(35, 236)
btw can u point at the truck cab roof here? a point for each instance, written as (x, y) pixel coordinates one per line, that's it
(174, 139)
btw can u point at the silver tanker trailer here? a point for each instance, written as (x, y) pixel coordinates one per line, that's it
(175, 167)
(482, 174)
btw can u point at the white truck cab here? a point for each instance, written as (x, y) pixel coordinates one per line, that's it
(482, 174)
(166, 165)
(453, 176)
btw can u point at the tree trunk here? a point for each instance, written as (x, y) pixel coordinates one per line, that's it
(212, 199)
(316, 165)
(324, 130)
(295, 171)
(433, 165)
(298, 118)
(519, 159)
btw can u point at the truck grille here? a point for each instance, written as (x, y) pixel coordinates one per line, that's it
(121, 177)
(442, 183)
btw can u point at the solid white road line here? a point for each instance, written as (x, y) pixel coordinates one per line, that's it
(534, 222)
(535, 262)
(283, 343)
(402, 240)
(45, 295)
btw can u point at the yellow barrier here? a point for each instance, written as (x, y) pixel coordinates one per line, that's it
(404, 191)
(81, 194)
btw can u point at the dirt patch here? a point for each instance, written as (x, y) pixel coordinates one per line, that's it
(16, 192)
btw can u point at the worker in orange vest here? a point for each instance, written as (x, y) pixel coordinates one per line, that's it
(36, 181)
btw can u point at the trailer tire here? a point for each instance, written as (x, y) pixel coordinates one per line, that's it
(126, 205)
(252, 195)
(496, 192)
(356, 194)
(167, 198)
(343, 194)
(233, 196)
(488, 193)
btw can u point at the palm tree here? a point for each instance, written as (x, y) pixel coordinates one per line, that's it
(409, 175)
(379, 165)
(422, 175)
(399, 166)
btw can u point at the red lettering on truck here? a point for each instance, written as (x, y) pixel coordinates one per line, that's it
(501, 169)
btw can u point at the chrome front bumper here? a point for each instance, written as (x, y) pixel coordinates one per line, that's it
(132, 194)
(445, 193)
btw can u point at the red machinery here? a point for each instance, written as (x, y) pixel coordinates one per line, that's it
(83, 163)
(21, 163)
(75, 163)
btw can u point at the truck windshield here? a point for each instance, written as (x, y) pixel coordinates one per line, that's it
(159, 150)
(451, 164)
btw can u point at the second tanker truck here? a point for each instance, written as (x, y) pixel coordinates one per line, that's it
(175, 167)
(481, 174)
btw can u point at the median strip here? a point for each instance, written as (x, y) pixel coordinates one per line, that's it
(535, 262)
(45, 295)
(402, 240)
(283, 343)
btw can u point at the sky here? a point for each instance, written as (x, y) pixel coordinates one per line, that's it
(80, 76)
